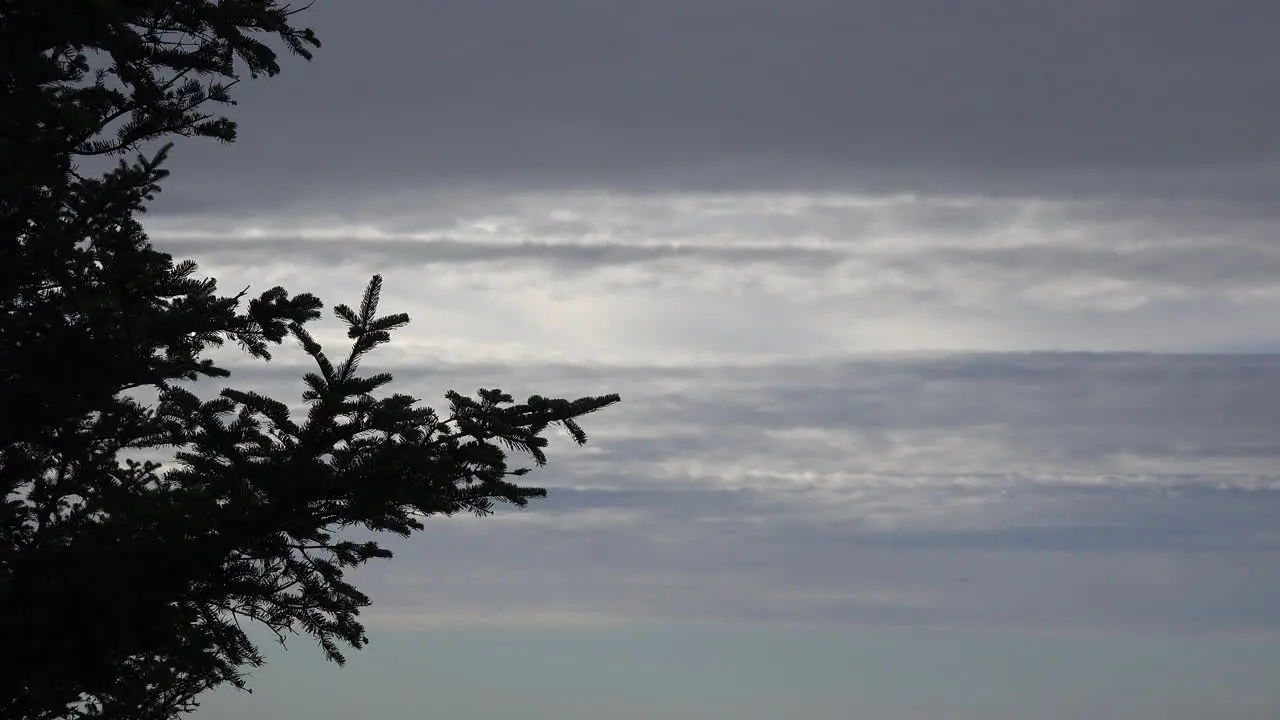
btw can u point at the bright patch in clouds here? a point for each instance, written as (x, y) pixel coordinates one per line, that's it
(751, 277)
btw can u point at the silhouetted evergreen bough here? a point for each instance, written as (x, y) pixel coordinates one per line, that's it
(126, 586)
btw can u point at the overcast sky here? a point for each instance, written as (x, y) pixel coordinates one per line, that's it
(945, 317)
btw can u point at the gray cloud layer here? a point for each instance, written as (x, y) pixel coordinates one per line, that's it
(1070, 491)
(1169, 98)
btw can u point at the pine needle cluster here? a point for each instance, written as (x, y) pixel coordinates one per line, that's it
(127, 586)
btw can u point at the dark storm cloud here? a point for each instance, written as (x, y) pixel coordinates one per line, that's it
(1091, 97)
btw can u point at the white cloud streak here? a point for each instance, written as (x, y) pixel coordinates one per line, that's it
(714, 278)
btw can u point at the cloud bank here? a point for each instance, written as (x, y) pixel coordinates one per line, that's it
(838, 409)
(923, 313)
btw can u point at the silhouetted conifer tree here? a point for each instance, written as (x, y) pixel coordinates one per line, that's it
(125, 585)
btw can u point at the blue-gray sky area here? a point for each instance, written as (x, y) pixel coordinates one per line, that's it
(946, 331)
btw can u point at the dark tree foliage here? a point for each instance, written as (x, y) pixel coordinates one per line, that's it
(126, 586)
